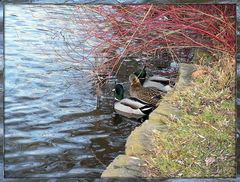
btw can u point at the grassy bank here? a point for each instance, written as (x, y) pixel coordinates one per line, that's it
(202, 142)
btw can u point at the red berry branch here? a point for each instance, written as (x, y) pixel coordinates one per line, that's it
(131, 30)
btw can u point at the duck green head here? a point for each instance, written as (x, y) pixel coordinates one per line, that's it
(119, 92)
(141, 74)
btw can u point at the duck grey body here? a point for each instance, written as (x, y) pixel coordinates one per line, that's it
(129, 108)
(158, 82)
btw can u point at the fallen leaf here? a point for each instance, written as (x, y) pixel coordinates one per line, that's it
(209, 160)
(198, 73)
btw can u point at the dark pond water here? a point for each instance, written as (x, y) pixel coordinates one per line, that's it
(56, 125)
(53, 127)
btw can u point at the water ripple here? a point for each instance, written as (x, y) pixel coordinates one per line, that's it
(53, 126)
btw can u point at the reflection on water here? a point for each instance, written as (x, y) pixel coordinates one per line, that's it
(53, 127)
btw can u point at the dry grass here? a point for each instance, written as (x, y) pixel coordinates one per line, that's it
(202, 142)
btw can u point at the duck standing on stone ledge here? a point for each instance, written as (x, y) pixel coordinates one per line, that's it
(146, 94)
(161, 83)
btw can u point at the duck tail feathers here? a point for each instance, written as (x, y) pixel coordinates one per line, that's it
(146, 109)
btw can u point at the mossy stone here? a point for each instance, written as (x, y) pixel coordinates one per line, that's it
(185, 75)
(203, 55)
(124, 166)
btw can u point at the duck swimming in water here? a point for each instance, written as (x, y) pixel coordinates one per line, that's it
(130, 107)
(147, 94)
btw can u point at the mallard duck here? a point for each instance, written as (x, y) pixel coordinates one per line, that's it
(158, 82)
(147, 94)
(130, 107)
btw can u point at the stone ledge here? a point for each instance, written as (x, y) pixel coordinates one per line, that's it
(140, 139)
(124, 166)
(185, 74)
